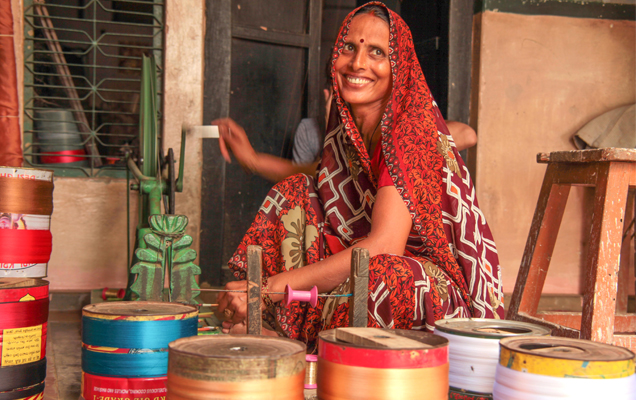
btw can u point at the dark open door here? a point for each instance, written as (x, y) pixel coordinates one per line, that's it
(262, 69)
(428, 20)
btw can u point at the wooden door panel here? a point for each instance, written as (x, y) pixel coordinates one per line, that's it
(262, 69)
(276, 15)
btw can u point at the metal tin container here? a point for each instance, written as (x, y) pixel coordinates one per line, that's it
(236, 366)
(24, 310)
(125, 345)
(26, 205)
(474, 352)
(372, 363)
(563, 368)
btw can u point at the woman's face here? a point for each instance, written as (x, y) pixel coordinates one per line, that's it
(363, 70)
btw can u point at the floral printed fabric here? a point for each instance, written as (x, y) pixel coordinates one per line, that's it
(450, 267)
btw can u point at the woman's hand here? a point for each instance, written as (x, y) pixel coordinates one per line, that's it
(238, 329)
(232, 138)
(234, 304)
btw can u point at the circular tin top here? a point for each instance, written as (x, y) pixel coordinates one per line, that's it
(566, 349)
(565, 357)
(141, 309)
(237, 346)
(236, 358)
(37, 174)
(489, 328)
(424, 339)
(412, 349)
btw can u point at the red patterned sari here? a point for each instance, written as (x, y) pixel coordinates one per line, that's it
(450, 266)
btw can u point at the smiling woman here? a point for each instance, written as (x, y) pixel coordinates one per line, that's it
(363, 71)
(390, 180)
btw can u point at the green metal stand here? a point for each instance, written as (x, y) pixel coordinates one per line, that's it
(166, 247)
(161, 243)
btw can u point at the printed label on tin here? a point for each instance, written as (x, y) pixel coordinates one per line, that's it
(106, 388)
(28, 174)
(21, 345)
(22, 270)
(25, 221)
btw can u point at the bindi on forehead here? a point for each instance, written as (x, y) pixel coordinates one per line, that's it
(361, 40)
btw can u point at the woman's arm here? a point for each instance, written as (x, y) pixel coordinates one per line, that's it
(390, 227)
(233, 138)
(463, 135)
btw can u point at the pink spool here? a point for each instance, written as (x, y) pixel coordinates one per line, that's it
(310, 375)
(310, 297)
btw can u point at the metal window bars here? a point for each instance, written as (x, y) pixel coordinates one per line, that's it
(82, 78)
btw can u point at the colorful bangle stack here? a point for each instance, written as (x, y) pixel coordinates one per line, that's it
(270, 309)
(269, 304)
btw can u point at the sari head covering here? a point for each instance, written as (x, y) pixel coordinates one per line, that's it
(426, 170)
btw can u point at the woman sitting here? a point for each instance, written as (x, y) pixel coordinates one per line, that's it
(390, 180)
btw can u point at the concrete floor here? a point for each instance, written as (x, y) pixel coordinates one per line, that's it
(63, 354)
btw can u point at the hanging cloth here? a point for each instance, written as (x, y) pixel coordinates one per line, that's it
(11, 149)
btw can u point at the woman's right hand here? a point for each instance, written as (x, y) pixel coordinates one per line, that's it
(232, 138)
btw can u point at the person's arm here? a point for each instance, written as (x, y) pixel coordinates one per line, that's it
(276, 169)
(463, 135)
(233, 139)
(390, 227)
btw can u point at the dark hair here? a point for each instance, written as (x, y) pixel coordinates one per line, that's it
(374, 10)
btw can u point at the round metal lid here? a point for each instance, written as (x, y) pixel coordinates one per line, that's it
(422, 340)
(138, 308)
(237, 347)
(489, 328)
(566, 348)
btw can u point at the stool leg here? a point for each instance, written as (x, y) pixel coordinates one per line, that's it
(601, 270)
(624, 281)
(540, 245)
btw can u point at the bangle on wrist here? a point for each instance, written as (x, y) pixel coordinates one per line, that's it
(266, 299)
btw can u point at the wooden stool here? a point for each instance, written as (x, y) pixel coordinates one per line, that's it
(612, 172)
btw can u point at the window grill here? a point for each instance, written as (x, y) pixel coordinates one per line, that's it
(82, 64)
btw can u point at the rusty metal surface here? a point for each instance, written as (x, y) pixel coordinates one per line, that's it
(553, 347)
(235, 358)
